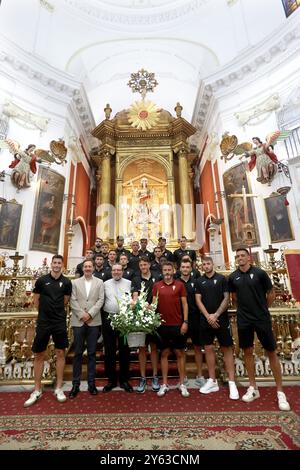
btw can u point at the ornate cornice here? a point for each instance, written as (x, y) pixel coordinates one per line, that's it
(143, 17)
(34, 74)
(83, 111)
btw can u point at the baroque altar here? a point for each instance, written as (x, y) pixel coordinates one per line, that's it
(143, 173)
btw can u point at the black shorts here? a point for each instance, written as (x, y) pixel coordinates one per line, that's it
(264, 333)
(194, 330)
(170, 337)
(152, 338)
(223, 334)
(42, 336)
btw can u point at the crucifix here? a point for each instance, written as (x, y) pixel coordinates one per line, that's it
(247, 227)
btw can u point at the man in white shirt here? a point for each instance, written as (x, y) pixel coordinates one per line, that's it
(86, 301)
(114, 290)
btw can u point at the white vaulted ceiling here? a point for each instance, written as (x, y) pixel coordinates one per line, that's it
(101, 42)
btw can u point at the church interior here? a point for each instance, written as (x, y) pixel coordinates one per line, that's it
(157, 120)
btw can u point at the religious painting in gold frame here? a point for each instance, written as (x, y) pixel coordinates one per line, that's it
(278, 217)
(234, 179)
(10, 217)
(47, 212)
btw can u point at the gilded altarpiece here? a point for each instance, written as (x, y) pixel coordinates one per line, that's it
(144, 179)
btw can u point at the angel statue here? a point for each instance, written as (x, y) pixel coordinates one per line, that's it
(24, 162)
(261, 155)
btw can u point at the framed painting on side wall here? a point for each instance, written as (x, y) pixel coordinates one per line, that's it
(278, 217)
(234, 180)
(47, 211)
(10, 217)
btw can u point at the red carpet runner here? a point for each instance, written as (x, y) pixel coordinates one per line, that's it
(119, 420)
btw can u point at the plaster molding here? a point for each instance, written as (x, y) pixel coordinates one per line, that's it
(137, 17)
(15, 65)
(17, 60)
(258, 112)
(24, 118)
(47, 5)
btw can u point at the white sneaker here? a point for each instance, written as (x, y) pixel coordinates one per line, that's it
(251, 394)
(60, 396)
(210, 386)
(233, 391)
(163, 390)
(34, 397)
(282, 402)
(184, 391)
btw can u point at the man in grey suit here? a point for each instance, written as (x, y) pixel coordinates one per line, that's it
(86, 301)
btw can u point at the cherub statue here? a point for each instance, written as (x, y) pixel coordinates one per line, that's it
(24, 162)
(261, 155)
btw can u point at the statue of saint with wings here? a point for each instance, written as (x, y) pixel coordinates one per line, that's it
(24, 164)
(261, 154)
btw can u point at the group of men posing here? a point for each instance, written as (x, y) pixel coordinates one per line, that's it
(189, 304)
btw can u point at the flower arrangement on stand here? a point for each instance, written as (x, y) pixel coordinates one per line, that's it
(135, 316)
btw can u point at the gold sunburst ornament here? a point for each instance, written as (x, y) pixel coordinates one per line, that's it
(143, 115)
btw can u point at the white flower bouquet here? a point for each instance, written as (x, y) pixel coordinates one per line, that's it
(135, 316)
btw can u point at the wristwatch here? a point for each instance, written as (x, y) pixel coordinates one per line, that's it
(185, 321)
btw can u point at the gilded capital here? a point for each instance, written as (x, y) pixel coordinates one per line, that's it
(105, 154)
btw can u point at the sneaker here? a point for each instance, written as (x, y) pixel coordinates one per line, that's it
(142, 385)
(34, 397)
(233, 391)
(200, 381)
(60, 396)
(162, 390)
(282, 402)
(210, 386)
(155, 384)
(251, 394)
(184, 391)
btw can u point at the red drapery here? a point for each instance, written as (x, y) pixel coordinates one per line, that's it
(292, 259)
